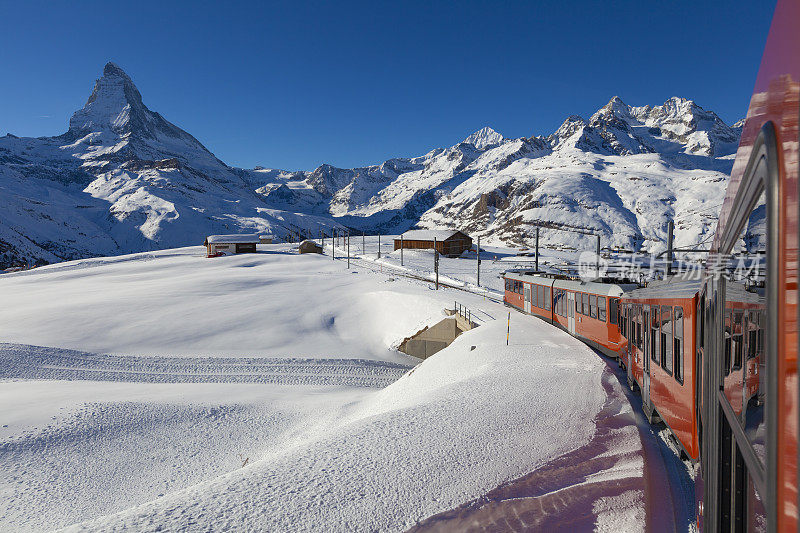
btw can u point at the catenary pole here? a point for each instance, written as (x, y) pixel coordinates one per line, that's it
(537, 248)
(597, 264)
(401, 249)
(479, 260)
(348, 248)
(436, 263)
(670, 231)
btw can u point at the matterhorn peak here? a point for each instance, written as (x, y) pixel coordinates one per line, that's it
(484, 137)
(114, 104)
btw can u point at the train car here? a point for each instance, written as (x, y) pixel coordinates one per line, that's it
(658, 327)
(747, 353)
(587, 310)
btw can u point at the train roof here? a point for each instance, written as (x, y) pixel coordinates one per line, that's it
(673, 287)
(604, 289)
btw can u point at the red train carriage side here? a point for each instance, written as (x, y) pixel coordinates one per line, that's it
(751, 403)
(658, 324)
(587, 310)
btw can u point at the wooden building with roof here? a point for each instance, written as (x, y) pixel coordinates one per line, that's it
(217, 245)
(448, 242)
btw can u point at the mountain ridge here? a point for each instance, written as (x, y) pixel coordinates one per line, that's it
(124, 179)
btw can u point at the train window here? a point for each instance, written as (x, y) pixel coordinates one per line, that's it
(638, 312)
(547, 298)
(540, 295)
(585, 298)
(601, 308)
(655, 338)
(666, 338)
(727, 346)
(751, 328)
(744, 365)
(737, 341)
(677, 352)
(613, 310)
(593, 306)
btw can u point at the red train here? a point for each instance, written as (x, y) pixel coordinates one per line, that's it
(715, 357)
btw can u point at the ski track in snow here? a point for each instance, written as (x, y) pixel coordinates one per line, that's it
(38, 362)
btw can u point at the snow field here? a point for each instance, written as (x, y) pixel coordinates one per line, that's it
(450, 430)
(283, 361)
(179, 303)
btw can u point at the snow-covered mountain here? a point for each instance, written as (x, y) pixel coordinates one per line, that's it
(623, 173)
(124, 179)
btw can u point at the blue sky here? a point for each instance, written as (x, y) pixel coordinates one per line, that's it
(293, 85)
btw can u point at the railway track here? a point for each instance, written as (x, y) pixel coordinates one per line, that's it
(375, 267)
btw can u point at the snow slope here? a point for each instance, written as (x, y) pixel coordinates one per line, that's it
(234, 406)
(437, 437)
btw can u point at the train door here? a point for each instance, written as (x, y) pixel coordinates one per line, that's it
(527, 301)
(629, 327)
(571, 312)
(646, 332)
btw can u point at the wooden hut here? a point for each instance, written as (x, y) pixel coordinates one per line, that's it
(448, 242)
(217, 245)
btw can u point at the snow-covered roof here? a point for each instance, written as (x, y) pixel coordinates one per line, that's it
(673, 287)
(605, 289)
(429, 234)
(233, 239)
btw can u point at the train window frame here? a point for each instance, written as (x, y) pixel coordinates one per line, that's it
(613, 311)
(593, 306)
(737, 357)
(678, 344)
(751, 320)
(601, 309)
(547, 299)
(667, 339)
(761, 175)
(557, 301)
(639, 328)
(585, 303)
(727, 342)
(540, 296)
(655, 334)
